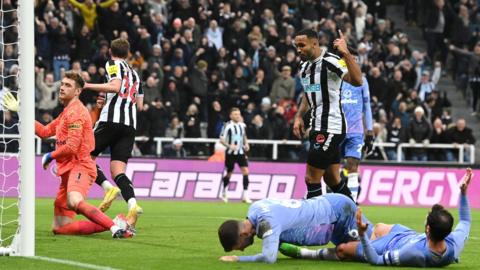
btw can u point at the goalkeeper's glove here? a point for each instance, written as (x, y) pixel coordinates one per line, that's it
(10, 102)
(368, 144)
(46, 159)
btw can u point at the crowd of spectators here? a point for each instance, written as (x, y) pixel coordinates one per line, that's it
(197, 59)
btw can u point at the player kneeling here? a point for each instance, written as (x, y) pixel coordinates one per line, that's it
(74, 142)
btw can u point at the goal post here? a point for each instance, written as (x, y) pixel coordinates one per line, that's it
(18, 178)
(26, 232)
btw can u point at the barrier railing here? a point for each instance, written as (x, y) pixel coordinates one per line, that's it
(159, 141)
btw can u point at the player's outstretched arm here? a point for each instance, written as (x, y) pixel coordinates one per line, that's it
(370, 253)
(112, 86)
(269, 253)
(46, 131)
(462, 230)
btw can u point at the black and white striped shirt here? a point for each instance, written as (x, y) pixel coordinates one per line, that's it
(121, 107)
(233, 133)
(321, 80)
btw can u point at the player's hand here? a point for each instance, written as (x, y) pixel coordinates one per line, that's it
(466, 181)
(362, 227)
(232, 258)
(298, 127)
(246, 147)
(368, 143)
(340, 44)
(46, 159)
(100, 101)
(9, 102)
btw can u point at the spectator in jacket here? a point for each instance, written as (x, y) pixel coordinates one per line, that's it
(419, 131)
(459, 134)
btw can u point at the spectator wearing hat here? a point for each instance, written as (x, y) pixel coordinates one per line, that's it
(284, 86)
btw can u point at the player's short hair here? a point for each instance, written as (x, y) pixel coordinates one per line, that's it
(234, 109)
(72, 75)
(229, 234)
(120, 47)
(310, 33)
(440, 222)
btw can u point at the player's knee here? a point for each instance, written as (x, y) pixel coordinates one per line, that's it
(341, 251)
(352, 165)
(380, 229)
(245, 171)
(73, 200)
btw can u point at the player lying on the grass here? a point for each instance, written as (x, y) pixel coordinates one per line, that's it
(398, 245)
(313, 222)
(74, 142)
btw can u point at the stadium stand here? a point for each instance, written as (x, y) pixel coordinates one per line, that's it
(197, 59)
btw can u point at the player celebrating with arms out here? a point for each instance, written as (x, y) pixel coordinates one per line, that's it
(74, 142)
(116, 126)
(321, 75)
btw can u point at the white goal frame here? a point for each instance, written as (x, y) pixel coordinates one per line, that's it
(24, 242)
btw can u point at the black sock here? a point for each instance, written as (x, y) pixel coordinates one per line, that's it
(245, 182)
(125, 186)
(226, 181)
(343, 189)
(100, 176)
(314, 190)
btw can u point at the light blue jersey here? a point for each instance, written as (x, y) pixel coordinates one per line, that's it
(311, 222)
(356, 104)
(403, 246)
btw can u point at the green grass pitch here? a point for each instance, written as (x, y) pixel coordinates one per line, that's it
(183, 235)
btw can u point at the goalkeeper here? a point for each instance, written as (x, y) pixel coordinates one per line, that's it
(398, 245)
(74, 142)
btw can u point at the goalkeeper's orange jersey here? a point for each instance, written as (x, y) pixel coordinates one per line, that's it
(75, 140)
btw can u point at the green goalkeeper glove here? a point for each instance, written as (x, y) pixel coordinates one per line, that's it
(10, 102)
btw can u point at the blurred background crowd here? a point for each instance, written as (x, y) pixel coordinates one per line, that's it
(197, 59)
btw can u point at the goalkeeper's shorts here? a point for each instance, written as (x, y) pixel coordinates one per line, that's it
(77, 179)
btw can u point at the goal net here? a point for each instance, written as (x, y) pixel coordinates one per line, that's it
(17, 168)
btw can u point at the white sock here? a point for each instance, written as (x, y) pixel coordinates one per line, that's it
(114, 229)
(131, 203)
(306, 253)
(353, 184)
(106, 185)
(245, 193)
(327, 254)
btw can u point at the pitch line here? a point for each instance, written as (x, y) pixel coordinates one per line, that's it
(73, 263)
